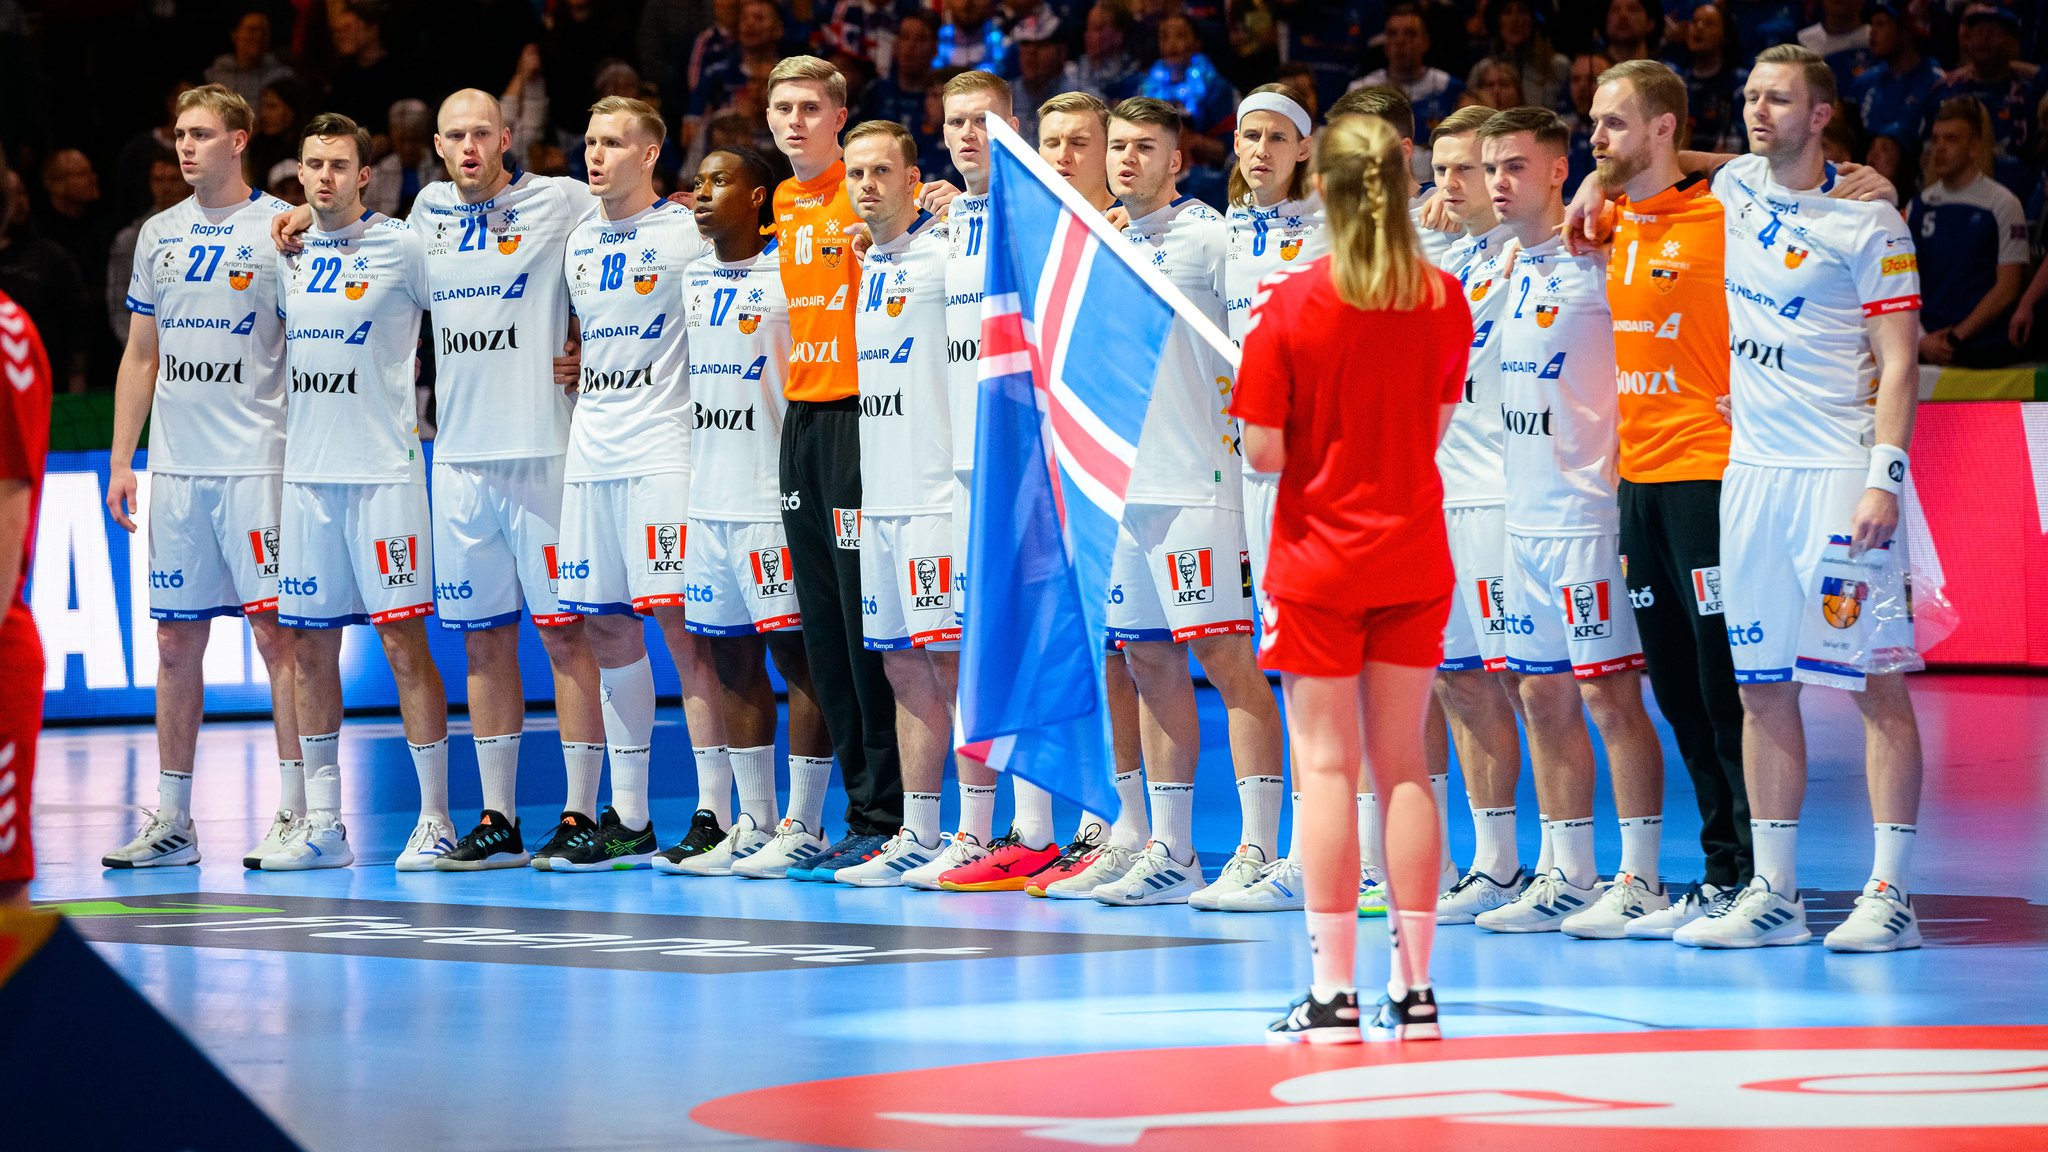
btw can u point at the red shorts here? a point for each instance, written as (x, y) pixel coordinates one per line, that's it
(1313, 640)
(21, 720)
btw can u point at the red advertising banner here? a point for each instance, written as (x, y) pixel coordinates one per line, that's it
(1981, 472)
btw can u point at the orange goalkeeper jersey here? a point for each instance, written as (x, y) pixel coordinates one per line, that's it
(819, 274)
(1664, 285)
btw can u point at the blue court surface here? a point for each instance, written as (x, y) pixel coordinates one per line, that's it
(517, 1010)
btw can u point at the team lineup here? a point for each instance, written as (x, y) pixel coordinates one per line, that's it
(1686, 394)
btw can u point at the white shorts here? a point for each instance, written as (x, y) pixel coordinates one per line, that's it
(1775, 524)
(213, 545)
(739, 578)
(1568, 608)
(1261, 496)
(360, 554)
(624, 544)
(906, 583)
(1476, 636)
(496, 527)
(1179, 574)
(963, 506)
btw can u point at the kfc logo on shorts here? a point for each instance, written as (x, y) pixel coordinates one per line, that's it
(1706, 590)
(1493, 604)
(1586, 610)
(552, 555)
(1189, 573)
(665, 547)
(398, 561)
(263, 542)
(846, 528)
(931, 582)
(771, 573)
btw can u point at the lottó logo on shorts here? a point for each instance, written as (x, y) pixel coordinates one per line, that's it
(1841, 600)
(1706, 590)
(665, 544)
(1493, 604)
(1586, 610)
(771, 573)
(931, 582)
(846, 528)
(263, 542)
(398, 561)
(1189, 574)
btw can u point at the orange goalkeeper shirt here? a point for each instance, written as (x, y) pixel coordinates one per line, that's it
(819, 274)
(1664, 285)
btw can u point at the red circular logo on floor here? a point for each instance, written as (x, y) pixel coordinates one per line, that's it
(1778, 1090)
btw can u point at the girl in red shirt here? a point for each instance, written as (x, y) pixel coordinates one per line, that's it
(1351, 369)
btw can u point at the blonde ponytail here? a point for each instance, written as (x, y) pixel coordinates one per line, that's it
(1375, 257)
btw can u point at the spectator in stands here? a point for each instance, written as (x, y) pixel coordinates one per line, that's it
(166, 187)
(1632, 29)
(251, 66)
(1515, 33)
(1300, 80)
(863, 30)
(971, 37)
(1713, 74)
(1895, 92)
(44, 280)
(1585, 80)
(1972, 239)
(1105, 69)
(934, 161)
(581, 35)
(525, 104)
(1842, 140)
(1433, 91)
(131, 164)
(283, 182)
(1895, 155)
(666, 41)
(716, 42)
(282, 108)
(1254, 41)
(410, 165)
(900, 96)
(1328, 35)
(1041, 70)
(367, 79)
(1842, 38)
(1495, 83)
(757, 46)
(1186, 78)
(1989, 47)
(75, 219)
(2020, 329)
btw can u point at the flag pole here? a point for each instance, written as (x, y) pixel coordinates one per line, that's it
(1113, 241)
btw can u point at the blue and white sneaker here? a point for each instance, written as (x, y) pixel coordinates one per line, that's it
(1882, 921)
(1372, 891)
(431, 839)
(1757, 918)
(902, 853)
(162, 843)
(1279, 888)
(1697, 900)
(1157, 878)
(794, 845)
(853, 848)
(315, 841)
(1245, 867)
(1475, 894)
(1542, 906)
(1626, 899)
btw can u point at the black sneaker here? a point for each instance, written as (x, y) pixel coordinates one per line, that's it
(1334, 1021)
(572, 824)
(1412, 1017)
(494, 843)
(704, 835)
(611, 846)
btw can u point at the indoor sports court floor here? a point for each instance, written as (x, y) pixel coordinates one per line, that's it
(519, 1010)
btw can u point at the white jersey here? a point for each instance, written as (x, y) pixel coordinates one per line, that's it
(1469, 458)
(351, 303)
(1188, 451)
(500, 313)
(738, 325)
(966, 272)
(1558, 401)
(1436, 246)
(1263, 241)
(626, 282)
(209, 278)
(1804, 272)
(899, 327)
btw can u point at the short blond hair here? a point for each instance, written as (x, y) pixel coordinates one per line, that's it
(1820, 79)
(892, 130)
(1076, 104)
(1658, 89)
(811, 68)
(640, 112)
(975, 80)
(1467, 119)
(223, 102)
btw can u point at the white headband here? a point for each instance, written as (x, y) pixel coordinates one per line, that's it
(1283, 105)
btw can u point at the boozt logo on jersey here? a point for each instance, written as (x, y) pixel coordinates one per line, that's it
(263, 545)
(963, 351)
(931, 582)
(596, 381)
(398, 561)
(653, 331)
(665, 543)
(328, 383)
(1189, 575)
(846, 528)
(1647, 383)
(1480, 333)
(1587, 612)
(1767, 355)
(814, 351)
(723, 419)
(876, 407)
(1522, 422)
(1493, 604)
(771, 573)
(482, 340)
(200, 371)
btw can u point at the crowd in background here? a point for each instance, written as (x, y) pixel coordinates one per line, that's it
(87, 87)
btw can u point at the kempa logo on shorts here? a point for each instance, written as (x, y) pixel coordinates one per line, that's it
(1586, 610)
(263, 543)
(398, 561)
(931, 582)
(1493, 604)
(771, 573)
(846, 528)
(1189, 575)
(665, 547)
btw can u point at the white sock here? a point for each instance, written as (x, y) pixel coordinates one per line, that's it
(1493, 843)
(978, 811)
(809, 776)
(291, 791)
(1294, 828)
(1894, 853)
(921, 816)
(1417, 931)
(1640, 839)
(584, 764)
(1100, 824)
(1133, 826)
(323, 774)
(1333, 952)
(497, 762)
(430, 764)
(1258, 803)
(753, 769)
(1776, 843)
(1544, 862)
(714, 782)
(1368, 830)
(174, 796)
(1440, 788)
(1173, 818)
(1033, 819)
(629, 730)
(1572, 841)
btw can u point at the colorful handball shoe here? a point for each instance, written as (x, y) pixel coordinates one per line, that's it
(162, 843)
(1106, 865)
(609, 847)
(1332, 1021)
(1626, 900)
(1157, 878)
(1882, 921)
(1412, 1017)
(1542, 906)
(1278, 889)
(899, 855)
(1687, 907)
(494, 843)
(1243, 870)
(960, 850)
(1072, 861)
(853, 848)
(1476, 893)
(314, 842)
(1372, 891)
(794, 845)
(745, 839)
(1757, 918)
(571, 826)
(1008, 867)
(704, 836)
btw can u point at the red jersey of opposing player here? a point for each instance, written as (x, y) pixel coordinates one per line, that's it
(1360, 568)
(24, 442)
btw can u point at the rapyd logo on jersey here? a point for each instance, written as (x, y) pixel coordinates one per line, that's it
(931, 582)
(771, 573)
(263, 544)
(398, 561)
(1190, 576)
(1587, 611)
(665, 543)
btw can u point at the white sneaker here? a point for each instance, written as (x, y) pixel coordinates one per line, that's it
(313, 842)
(1448, 876)
(1476, 893)
(902, 853)
(793, 845)
(1156, 878)
(1278, 889)
(742, 841)
(962, 849)
(1882, 921)
(1112, 863)
(1757, 918)
(162, 843)
(1372, 891)
(1245, 867)
(1541, 907)
(431, 839)
(1691, 904)
(1625, 899)
(273, 840)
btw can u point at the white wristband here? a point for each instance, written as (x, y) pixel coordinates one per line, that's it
(1887, 469)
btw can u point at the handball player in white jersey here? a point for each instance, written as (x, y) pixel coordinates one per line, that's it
(205, 364)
